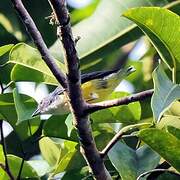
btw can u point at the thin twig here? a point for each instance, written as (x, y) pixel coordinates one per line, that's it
(77, 104)
(20, 170)
(117, 102)
(118, 136)
(39, 42)
(7, 169)
(156, 170)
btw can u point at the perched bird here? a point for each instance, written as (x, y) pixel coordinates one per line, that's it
(101, 85)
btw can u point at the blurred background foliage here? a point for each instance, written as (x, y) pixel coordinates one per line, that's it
(107, 41)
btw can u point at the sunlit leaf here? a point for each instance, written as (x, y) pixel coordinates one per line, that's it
(169, 121)
(157, 24)
(164, 143)
(5, 49)
(101, 39)
(65, 161)
(29, 57)
(50, 151)
(23, 73)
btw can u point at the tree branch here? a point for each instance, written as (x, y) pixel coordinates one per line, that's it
(77, 104)
(118, 136)
(39, 42)
(117, 102)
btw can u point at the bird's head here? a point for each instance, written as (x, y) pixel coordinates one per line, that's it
(54, 103)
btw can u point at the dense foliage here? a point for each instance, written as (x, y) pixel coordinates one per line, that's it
(151, 127)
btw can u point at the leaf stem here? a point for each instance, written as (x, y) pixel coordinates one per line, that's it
(20, 170)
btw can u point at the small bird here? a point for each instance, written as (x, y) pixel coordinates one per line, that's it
(101, 85)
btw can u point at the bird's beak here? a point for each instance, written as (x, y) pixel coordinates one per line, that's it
(36, 112)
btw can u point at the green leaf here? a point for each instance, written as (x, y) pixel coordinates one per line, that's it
(169, 121)
(164, 94)
(4, 49)
(3, 174)
(164, 143)
(157, 24)
(101, 39)
(147, 159)
(1, 154)
(24, 109)
(123, 159)
(66, 160)
(174, 131)
(55, 126)
(50, 151)
(128, 114)
(23, 73)
(29, 57)
(8, 111)
(15, 164)
(130, 163)
(103, 116)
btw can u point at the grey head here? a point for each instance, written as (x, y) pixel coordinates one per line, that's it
(49, 103)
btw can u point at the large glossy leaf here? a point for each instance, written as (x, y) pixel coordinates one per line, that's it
(130, 163)
(165, 93)
(50, 151)
(29, 57)
(66, 160)
(123, 158)
(147, 159)
(112, 31)
(22, 73)
(161, 26)
(164, 143)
